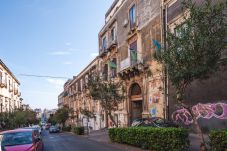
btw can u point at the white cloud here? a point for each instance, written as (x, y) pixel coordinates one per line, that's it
(58, 83)
(93, 55)
(67, 63)
(59, 53)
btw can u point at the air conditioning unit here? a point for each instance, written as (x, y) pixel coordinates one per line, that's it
(125, 23)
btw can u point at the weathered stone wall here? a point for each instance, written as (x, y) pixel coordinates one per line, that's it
(211, 90)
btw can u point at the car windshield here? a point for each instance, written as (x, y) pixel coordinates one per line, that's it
(17, 138)
(159, 121)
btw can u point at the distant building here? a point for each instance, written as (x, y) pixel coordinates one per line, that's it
(46, 114)
(61, 100)
(38, 113)
(25, 107)
(10, 95)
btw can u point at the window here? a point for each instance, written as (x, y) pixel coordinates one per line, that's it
(1, 77)
(9, 85)
(17, 138)
(132, 16)
(113, 34)
(104, 43)
(105, 72)
(113, 67)
(81, 84)
(6, 79)
(133, 52)
(180, 30)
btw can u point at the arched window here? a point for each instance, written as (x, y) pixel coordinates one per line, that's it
(135, 89)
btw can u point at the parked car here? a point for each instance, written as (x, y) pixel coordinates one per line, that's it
(37, 127)
(152, 122)
(53, 129)
(21, 140)
(47, 126)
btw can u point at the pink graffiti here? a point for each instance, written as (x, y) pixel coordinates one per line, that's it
(207, 111)
(182, 115)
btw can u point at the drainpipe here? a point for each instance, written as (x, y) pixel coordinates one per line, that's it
(165, 15)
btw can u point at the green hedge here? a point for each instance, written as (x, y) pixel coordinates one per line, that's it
(218, 140)
(66, 129)
(79, 130)
(155, 139)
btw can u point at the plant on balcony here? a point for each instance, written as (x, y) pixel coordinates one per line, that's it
(108, 93)
(194, 50)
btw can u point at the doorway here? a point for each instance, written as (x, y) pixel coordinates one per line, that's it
(136, 102)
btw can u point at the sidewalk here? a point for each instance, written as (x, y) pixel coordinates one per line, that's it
(102, 137)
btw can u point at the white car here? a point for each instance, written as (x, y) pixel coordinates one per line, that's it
(38, 127)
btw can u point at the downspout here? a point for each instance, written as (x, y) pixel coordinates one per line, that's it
(166, 83)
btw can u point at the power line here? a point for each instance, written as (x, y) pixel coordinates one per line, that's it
(42, 76)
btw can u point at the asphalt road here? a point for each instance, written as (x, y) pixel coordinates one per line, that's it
(70, 142)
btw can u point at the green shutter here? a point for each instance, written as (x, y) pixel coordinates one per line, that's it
(133, 54)
(112, 64)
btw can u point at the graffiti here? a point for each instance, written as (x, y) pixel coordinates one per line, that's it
(150, 99)
(156, 97)
(156, 44)
(153, 112)
(182, 116)
(206, 111)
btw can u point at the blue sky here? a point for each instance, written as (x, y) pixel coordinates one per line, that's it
(49, 37)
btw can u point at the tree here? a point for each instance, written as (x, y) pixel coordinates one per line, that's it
(109, 93)
(18, 118)
(194, 50)
(52, 119)
(62, 115)
(88, 114)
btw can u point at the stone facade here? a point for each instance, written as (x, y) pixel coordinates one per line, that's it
(75, 97)
(141, 75)
(9, 90)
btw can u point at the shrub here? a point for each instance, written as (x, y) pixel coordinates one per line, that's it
(155, 139)
(66, 129)
(218, 140)
(79, 130)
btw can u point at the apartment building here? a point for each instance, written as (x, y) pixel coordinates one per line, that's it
(10, 95)
(76, 97)
(131, 34)
(61, 100)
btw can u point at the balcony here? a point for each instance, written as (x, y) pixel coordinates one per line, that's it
(131, 66)
(3, 83)
(11, 89)
(15, 91)
(112, 44)
(102, 51)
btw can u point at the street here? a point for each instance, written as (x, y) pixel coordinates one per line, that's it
(70, 142)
